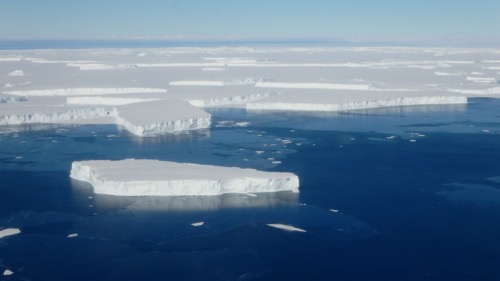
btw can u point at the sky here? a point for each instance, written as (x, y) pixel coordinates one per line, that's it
(248, 19)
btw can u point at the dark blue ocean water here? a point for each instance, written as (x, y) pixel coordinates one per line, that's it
(413, 189)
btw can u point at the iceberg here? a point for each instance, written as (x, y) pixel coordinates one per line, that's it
(84, 91)
(142, 118)
(47, 114)
(159, 117)
(313, 86)
(339, 105)
(133, 177)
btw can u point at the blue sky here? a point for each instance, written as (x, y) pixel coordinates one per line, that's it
(248, 19)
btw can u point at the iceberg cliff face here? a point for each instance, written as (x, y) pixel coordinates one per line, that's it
(160, 178)
(57, 116)
(142, 118)
(404, 101)
(158, 117)
(230, 100)
(159, 128)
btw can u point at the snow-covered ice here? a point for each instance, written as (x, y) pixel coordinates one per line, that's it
(161, 178)
(9, 232)
(83, 92)
(286, 227)
(198, 223)
(7, 272)
(159, 117)
(17, 73)
(103, 85)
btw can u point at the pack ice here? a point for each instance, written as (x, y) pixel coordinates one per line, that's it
(139, 177)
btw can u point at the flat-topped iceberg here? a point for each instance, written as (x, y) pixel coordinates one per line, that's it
(145, 118)
(339, 101)
(132, 177)
(159, 117)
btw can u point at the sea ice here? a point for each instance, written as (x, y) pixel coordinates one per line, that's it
(161, 178)
(84, 92)
(286, 227)
(9, 232)
(7, 272)
(198, 223)
(17, 73)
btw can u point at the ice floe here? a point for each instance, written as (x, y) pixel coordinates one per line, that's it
(17, 73)
(9, 232)
(286, 227)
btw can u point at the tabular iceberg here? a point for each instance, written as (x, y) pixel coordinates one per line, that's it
(132, 177)
(159, 117)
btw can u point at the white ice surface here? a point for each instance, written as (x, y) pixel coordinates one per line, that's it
(9, 231)
(305, 78)
(84, 91)
(331, 101)
(286, 227)
(17, 73)
(161, 178)
(159, 117)
(313, 86)
(7, 272)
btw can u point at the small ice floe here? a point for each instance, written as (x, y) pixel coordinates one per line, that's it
(286, 227)
(270, 159)
(72, 235)
(334, 210)
(352, 139)
(17, 73)
(198, 223)
(90, 197)
(259, 151)
(413, 140)
(276, 162)
(302, 204)
(391, 137)
(9, 232)
(7, 272)
(252, 195)
(286, 141)
(486, 131)
(242, 124)
(241, 149)
(19, 157)
(298, 144)
(340, 146)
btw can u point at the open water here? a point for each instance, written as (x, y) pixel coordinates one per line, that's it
(390, 194)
